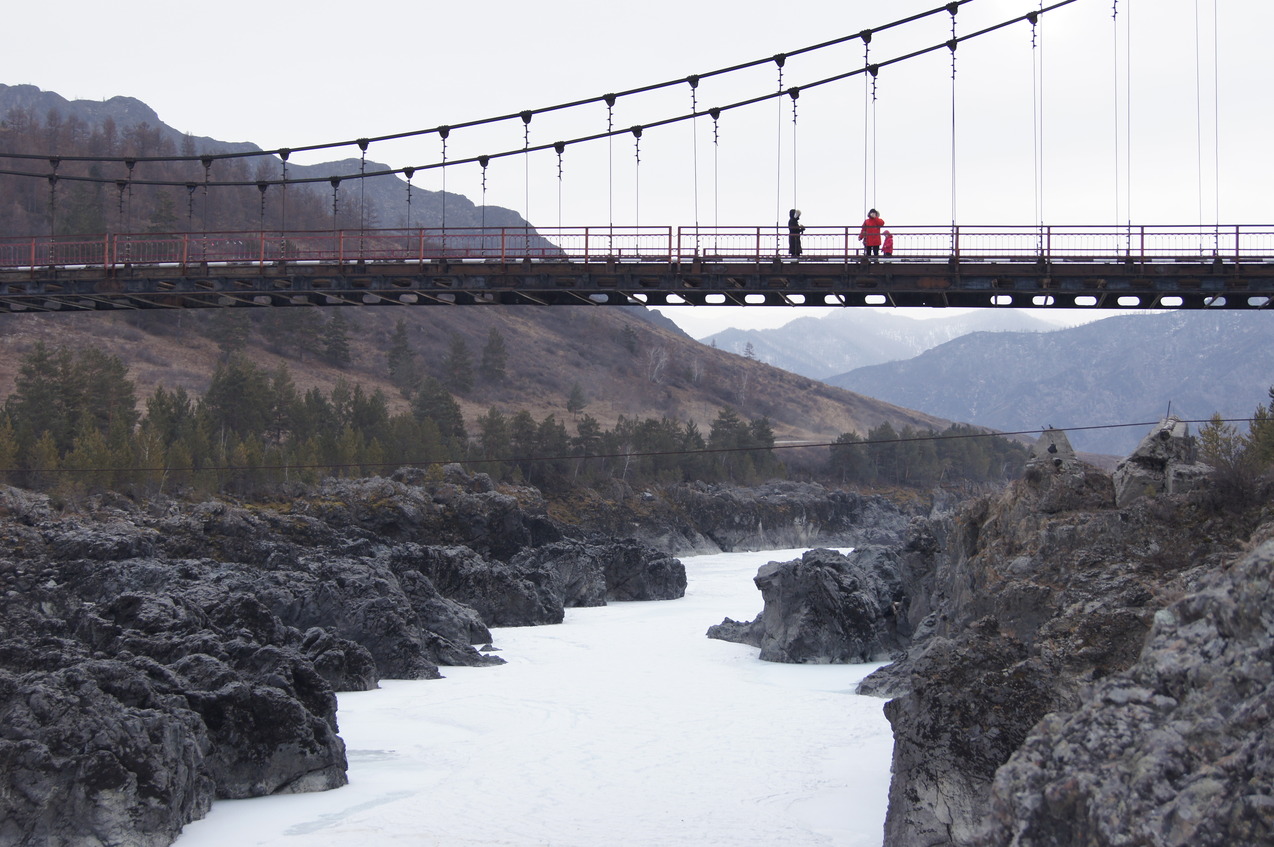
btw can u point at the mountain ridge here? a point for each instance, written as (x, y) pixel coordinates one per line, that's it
(1120, 370)
(822, 347)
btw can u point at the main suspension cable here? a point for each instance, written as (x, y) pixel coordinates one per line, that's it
(515, 115)
(950, 44)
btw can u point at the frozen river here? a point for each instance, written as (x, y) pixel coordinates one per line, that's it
(622, 727)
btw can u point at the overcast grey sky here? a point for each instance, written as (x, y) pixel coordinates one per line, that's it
(1189, 146)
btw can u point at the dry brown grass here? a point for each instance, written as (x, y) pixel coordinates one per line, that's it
(550, 349)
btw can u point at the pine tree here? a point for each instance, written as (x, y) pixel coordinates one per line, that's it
(42, 463)
(457, 366)
(588, 436)
(553, 445)
(239, 400)
(41, 402)
(106, 395)
(493, 434)
(60, 393)
(495, 357)
(1234, 475)
(1261, 433)
(8, 451)
(401, 359)
(169, 414)
(433, 402)
(336, 340)
(230, 328)
(524, 441)
(576, 402)
(849, 461)
(628, 336)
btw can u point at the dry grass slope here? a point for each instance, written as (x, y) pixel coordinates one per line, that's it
(624, 364)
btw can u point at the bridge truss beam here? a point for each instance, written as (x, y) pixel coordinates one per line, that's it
(955, 283)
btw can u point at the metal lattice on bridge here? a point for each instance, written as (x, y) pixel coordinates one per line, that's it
(1044, 267)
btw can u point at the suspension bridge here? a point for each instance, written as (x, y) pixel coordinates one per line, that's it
(266, 264)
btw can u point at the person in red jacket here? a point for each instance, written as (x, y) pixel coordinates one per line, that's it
(870, 234)
(887, 248)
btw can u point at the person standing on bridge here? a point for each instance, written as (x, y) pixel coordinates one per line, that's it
(870, 234)
(794, 230)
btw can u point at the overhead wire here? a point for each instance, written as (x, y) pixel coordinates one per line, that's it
(952, 45)
(935, 436)
(1198, 118)
(780, 60)
(1114, 77)
(1216, 120)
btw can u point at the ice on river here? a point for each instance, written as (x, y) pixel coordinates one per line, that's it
(622, 727)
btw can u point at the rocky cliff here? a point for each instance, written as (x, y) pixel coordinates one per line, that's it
(1082, 673)
(827, 607)
(156, 656)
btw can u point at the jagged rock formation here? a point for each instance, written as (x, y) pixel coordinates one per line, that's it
(1166, 461)
(153, 657)
(1052, 453)
(826, 607)
(1177, 750)
(1030, 610)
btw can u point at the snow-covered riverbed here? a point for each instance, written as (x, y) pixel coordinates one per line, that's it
(623, 727)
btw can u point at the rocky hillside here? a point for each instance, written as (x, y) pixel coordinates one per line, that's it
(1081, 673)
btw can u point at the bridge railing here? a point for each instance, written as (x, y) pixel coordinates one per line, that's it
(1243, 243)
(987, 243)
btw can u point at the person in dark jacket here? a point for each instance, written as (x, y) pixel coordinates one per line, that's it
(794, 230)
(870, 234)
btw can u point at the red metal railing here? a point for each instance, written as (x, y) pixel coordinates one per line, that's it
(1237, 243)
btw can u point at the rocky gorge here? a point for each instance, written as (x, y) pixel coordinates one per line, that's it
(1082, 658)
(1079, 658)
(156, 656)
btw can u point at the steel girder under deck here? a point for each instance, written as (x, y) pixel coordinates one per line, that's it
(1075, 283)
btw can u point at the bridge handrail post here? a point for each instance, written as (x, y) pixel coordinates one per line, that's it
(185, 250)
(1141, 237)
(261, 250)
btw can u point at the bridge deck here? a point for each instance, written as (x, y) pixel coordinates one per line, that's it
(1003, 268)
